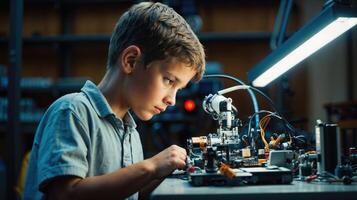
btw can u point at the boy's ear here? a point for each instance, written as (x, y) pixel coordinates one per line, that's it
(129, 58)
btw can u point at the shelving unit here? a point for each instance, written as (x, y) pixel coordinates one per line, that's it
(34, 88)
(204, 37)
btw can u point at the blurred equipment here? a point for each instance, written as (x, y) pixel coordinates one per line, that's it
(22, 177)
(327, 163)
(2, 179)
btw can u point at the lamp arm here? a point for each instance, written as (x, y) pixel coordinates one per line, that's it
(281, 22)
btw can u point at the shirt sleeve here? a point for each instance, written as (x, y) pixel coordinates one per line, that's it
(63, 147)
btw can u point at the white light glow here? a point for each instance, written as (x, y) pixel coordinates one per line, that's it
(320, 39)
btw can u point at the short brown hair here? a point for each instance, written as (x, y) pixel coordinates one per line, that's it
(160, 33)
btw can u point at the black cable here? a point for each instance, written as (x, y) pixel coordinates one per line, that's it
(298, 138)
(257, 113)
(288, 125)
(224, 76)
(266, 97)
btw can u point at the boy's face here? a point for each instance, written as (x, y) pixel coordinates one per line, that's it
(153, 89)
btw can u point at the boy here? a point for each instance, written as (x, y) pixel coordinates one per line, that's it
(86, 146)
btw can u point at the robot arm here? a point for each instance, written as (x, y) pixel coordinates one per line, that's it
(221, 109)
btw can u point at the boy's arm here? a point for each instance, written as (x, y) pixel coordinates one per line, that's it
(146, 190)
(121, 183)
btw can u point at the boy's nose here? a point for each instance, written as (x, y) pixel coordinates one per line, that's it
(170, 100)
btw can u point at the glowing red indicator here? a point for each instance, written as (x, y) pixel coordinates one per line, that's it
(189, 105)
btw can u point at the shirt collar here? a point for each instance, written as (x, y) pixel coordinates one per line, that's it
(101, 105)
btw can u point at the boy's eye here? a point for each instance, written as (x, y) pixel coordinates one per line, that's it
(168, 81)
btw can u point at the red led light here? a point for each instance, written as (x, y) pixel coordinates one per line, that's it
(189, 105)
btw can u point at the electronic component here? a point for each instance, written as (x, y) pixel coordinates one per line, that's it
(281, 158)
(326, 146)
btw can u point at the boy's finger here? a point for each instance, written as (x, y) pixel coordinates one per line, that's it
(181, 164)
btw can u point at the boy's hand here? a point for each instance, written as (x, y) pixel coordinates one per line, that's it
(165, 162)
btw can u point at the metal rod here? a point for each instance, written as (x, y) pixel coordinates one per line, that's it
(350, 56)
(14, 146)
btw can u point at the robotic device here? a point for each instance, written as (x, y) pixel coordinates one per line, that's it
(233, 155)
(222, 158)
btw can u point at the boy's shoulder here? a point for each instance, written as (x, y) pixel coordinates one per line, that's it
(75, 102)
(88, 103)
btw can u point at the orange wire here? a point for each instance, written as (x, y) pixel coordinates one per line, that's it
(263, 124)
